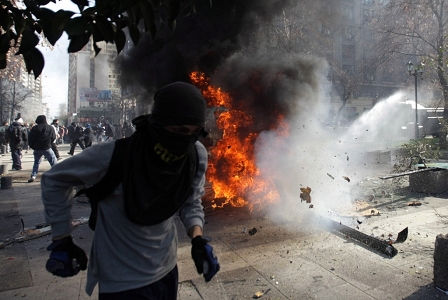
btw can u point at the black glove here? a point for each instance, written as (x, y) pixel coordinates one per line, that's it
(66, 258)
(204, 257)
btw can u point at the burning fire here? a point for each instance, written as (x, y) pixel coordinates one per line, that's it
(232, 171)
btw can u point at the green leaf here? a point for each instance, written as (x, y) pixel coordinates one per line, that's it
(4, 42)
(37, 27)
(106, 29)
(148, 14)
(6, 20)
(120, 40)
(89, 11)
(77, 42)
(19, 25)
(34, 61)
(81, 3)
(43, 2)
(44, 14)
(172, 11)
(31, 5)
(126, 5)
(29, 41)
(77, 26)
(97, 35)
(58, 24)
(2, 63)
(96, 48)
(134, 32)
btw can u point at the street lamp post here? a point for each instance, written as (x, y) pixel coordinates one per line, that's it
(416, 72)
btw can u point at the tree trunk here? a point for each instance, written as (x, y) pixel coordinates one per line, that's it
(338, 114)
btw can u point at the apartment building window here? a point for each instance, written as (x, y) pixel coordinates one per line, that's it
(324, 29)
(369, 91)
(367, 13)
(349, 33)
(347, 11)
(348, 51)
(349, 69)
(388, 76)
(369, 74)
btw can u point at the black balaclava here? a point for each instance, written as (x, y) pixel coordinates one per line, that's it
(178, 103)
(160, 167)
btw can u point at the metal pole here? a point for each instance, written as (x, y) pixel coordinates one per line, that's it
(416, 110)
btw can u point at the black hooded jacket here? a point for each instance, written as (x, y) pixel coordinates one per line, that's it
(41, 135)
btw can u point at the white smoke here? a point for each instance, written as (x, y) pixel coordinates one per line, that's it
(323, 158)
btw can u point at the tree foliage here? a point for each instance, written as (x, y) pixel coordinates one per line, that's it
(12, 98)
(417, 30)
(23, 22)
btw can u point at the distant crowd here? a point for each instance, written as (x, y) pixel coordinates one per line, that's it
(44, 139)
(86, 133)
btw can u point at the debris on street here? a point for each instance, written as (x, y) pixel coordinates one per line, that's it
(305, 195)
(39, 230)
(253, 231)
(260, 293)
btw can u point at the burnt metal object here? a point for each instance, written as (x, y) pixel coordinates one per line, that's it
(409, 173)
(402, 236)
(253, 231)
(329, 224)
(377, 244)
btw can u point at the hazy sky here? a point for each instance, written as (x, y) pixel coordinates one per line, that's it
(55, 76)
(55, 73)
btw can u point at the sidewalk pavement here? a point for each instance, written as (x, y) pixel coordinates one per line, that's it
(283, 258)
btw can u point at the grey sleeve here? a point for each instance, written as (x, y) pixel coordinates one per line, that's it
(85, 168)
(192, 212)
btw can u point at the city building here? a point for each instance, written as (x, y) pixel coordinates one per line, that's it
(32, 105)
(20, 92)
(354, 54)
(94, 92)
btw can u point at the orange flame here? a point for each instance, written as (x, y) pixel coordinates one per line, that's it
(232, 171)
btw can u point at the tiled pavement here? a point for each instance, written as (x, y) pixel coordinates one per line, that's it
(286, 259)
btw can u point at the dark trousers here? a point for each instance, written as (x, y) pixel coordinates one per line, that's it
(16, 155)
(73, 145)
(54, 147)
(87, 142)
(164, 289)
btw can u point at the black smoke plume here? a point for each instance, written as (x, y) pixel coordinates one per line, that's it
(201, 41)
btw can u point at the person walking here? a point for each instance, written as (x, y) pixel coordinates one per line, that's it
(88, 136)
(54, 145)
(61, 135)
(26, 146)
(16, 136)
(40, 138)
(70, 131)
(146, 179)
(109, 131)
(77, 139)
(3, 130)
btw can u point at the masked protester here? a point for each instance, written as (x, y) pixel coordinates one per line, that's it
(137, 185)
